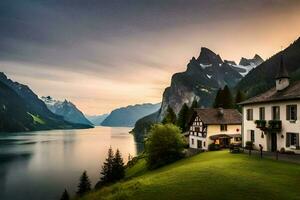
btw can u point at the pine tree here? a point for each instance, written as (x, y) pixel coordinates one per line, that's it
(227, 98)
(194, 104)
(240, 96)
(107, 168)
(118, 168)
(170, 117)
(182, 120)
(84, 184)
(65, 195)
(219, 99)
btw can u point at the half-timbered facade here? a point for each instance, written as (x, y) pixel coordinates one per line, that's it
(220, 126)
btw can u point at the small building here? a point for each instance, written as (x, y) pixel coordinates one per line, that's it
(211, 125)
(271, 118)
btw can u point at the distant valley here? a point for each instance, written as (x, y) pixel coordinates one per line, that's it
(127, 116)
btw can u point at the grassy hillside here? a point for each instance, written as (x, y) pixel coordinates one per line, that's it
(212, 175)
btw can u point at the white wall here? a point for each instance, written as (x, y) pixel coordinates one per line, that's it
(196, 138)
(287, 126)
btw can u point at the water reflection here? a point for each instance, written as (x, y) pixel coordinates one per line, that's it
(39, 165)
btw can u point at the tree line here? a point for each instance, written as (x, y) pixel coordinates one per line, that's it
(113, 170)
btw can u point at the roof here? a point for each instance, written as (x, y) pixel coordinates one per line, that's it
(282, 72)
(292, 92)
(213, 116)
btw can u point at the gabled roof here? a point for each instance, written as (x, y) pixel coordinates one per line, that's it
(214, 116)
(292, 92)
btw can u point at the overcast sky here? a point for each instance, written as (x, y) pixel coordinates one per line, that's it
(106, 54)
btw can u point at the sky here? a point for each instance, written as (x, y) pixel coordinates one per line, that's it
(107, 54)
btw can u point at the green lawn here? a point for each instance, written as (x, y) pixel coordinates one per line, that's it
(211, 175)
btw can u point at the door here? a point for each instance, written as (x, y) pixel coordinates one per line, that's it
(199, 144)
(273, 142)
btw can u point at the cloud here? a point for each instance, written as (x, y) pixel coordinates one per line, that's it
(98, 49)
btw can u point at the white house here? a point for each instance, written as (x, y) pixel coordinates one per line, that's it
(209, 125)
(271, 119)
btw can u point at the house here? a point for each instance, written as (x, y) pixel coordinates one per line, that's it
(211, 125)
(271, 119)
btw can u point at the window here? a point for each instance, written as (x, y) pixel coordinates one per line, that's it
(204, 144)
(291, 112)
(292, 139)
(197, 129)
(252, 136)
(261, 113)
(249, 114)
(199, 144)
(223, 127)
(276, 113)
(192, 141)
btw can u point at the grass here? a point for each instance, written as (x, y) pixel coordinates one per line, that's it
(211, 175)
(37, 119)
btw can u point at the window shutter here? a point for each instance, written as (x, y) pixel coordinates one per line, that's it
(296, 108)
(288, 110)
(288, 139)
(297, 139)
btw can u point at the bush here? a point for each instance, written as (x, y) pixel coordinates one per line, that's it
(213, 147)
(282, 150)
(165, 144)
(249, 145)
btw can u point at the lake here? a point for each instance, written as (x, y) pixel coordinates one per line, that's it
(39, 165)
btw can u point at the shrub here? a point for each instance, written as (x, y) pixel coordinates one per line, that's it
(282, 150)
(249, 145)
(165, 144)
(213, 147)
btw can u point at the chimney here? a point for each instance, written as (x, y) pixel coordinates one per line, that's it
(282, 78)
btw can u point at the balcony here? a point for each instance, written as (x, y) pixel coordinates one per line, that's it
(261, 124)
(274, 125)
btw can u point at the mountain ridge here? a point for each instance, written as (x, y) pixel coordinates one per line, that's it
(127, 116)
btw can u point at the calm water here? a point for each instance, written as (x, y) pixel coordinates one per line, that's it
(39, 165)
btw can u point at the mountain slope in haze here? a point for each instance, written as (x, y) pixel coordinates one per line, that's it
(66, 109)
(96, 119)
(262, 77)
(127, 116)
(42, 117)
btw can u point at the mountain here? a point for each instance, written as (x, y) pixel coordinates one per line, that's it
(28, 108)
(262, 77)
(13, 111)
(127, 116)
(246, 65)
(96, 119)
(66, 109)
(203, 77)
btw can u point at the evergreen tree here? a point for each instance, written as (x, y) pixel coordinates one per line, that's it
(65, 195)
(240, 96)
(107, 168)
(182, 120)
(170, 117)
(84, 184)
(194, 104)
(118, 168)
(219, 99)
(227, 98)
